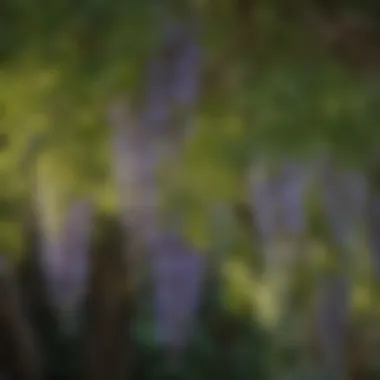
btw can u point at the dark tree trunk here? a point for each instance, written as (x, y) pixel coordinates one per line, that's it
(108, 341)
(21, 355)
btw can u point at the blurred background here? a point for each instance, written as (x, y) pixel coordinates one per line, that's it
(190, 189)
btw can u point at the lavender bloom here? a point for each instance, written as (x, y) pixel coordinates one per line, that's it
(344, 197)
(277, 200)
(177, 269)
(68, 264)
(178, 274)
(184, 84)
(139, 144)
(332, 313)
(173, 84)
(291, 194)
(135, 160)
(263, 196)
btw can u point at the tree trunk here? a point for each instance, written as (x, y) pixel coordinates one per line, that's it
(108, 341)
(22, 354)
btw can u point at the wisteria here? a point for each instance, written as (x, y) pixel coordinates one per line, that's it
(344, 198)
(178, 273)
(278, 205)
(68, 266)
(189, 190)
(332, 320)
(140, 144)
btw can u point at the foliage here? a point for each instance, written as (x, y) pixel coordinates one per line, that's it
(277, 94)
